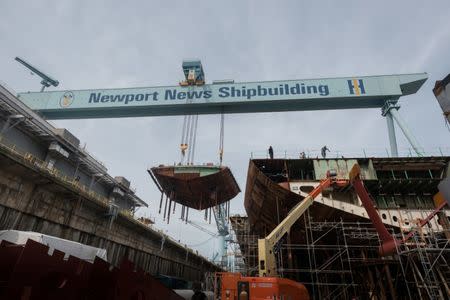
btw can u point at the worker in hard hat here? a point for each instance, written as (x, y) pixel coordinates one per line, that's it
(324, 151)
(243, 295)
(270, 152)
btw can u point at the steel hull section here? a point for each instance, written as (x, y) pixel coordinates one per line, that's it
(29, 270)
(197, 187)
(268, 196)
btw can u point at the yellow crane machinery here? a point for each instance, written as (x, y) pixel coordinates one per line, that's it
(266, 255)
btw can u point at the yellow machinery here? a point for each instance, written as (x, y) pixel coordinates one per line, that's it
(266, 256)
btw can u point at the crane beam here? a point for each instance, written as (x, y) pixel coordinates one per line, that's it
(248, 97)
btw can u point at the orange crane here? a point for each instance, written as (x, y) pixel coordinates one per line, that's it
(389, 244)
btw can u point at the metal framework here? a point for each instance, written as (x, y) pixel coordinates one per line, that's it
(340, 260)
(343, 262)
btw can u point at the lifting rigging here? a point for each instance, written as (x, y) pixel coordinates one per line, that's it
(194, 76)
(183, 183)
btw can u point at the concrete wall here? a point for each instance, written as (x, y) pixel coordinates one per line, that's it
(51, 209)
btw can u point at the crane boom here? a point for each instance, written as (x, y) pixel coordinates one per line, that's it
(266, 255)
(46, 80)
(228, 97)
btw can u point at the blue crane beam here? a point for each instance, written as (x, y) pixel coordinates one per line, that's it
(248, 97)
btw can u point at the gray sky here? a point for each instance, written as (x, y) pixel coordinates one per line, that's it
(111, 44)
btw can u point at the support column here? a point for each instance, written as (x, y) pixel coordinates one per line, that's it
(5, 126)
(401, 123)
(392, 137)
(389, 110)
(9, 124)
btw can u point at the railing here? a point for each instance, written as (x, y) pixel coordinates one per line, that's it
(71, 182)
(93, 158)
(35, 163)
(350, 153)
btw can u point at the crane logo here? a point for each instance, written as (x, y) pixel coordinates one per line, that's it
(66, 99)
(356, 87)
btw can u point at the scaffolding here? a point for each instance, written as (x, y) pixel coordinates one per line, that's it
(244, 246)
(340, 260)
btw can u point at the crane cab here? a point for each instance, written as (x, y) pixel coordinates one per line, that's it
(193, 73)
(234, 286)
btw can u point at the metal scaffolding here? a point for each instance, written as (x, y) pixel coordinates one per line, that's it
(340, 260)
(244, 246)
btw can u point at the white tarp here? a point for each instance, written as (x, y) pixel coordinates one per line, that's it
(79, 250)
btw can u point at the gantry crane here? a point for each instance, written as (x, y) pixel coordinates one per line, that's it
(193, 96)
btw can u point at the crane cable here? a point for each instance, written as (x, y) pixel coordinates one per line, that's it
(188, 137)
(191, 139)
(202, 243)
(222, 133)
(183, 145)
(194, 141)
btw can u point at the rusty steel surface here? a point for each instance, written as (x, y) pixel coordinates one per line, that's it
(308, 253)
(193, 189)
(29, 272)
(266, 201)
(268, 198)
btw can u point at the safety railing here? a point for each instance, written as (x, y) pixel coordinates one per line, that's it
(350, 153)
(71, 182)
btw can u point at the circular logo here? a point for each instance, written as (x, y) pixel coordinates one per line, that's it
(66, 99)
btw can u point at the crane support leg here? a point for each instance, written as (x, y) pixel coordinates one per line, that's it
(391, 132)
(409, 136)
(390, 111)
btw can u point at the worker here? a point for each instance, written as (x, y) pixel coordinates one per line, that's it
(324, 151)
(198, 294)
(243, 295)
(302, 155)
(270, 152)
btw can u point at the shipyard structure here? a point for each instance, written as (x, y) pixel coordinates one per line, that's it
(339, 228)
(333, 248)
(50, 184)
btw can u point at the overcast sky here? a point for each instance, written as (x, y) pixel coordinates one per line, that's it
(112, 44)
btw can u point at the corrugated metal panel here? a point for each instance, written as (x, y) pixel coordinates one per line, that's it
(343, 167)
